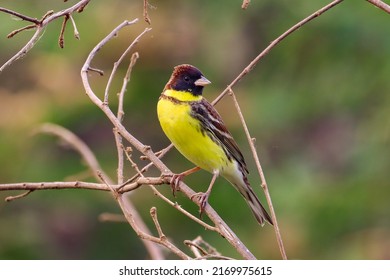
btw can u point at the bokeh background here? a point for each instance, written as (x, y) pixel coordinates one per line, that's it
(318, 105)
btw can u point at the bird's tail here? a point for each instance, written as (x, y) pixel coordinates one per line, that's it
(254, 203)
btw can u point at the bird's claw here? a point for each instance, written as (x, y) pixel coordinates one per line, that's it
(174, 183)
(202, 199)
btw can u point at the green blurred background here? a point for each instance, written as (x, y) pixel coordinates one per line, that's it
(318, 106)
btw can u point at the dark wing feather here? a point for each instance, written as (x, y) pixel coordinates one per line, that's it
(212, 124)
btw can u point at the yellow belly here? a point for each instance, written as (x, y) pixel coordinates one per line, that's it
(185, 133)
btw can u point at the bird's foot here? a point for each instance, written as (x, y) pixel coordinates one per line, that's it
(202, 199)
(176, 178)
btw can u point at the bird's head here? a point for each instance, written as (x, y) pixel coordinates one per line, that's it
(187, 78)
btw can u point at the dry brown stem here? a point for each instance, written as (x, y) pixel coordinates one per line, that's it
(262, 177)
(254, 62)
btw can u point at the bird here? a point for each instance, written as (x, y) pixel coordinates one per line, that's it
(198, 132)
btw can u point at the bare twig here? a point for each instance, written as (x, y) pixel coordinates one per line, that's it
(262, 177)
(181, 209)
(61, 38)
(146, 15)
(11, 198)
(118, 62)
(153, 214)
(381, 5)
(254, 62)
(26, 186)
(126, 80)
(19, 15)
(201, 248)
(100, 72)
(75, 31)
(245, 4)
(13, 33)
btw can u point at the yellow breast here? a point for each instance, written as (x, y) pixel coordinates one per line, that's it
(185, 133)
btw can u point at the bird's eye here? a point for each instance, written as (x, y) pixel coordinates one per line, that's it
(186, 78)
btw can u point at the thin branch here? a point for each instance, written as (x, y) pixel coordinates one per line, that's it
(153, 214)
(61, 38)
(119, 145)
(19, 15)
(100, 72)
(75, 31)
(11, 198)
(201, 249)
(126, 80)
(145, 12)
(31, 186)
(262, 177)
(245, 4)
(195, 248)
(181, 209)
(381, 5)
(217, 257)
(118, 62)
(254, 62)
(120, 113)
(13, 33)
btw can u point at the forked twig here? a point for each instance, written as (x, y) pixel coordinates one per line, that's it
(40, 26)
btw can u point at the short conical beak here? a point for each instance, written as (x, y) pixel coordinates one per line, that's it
(202, 82)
